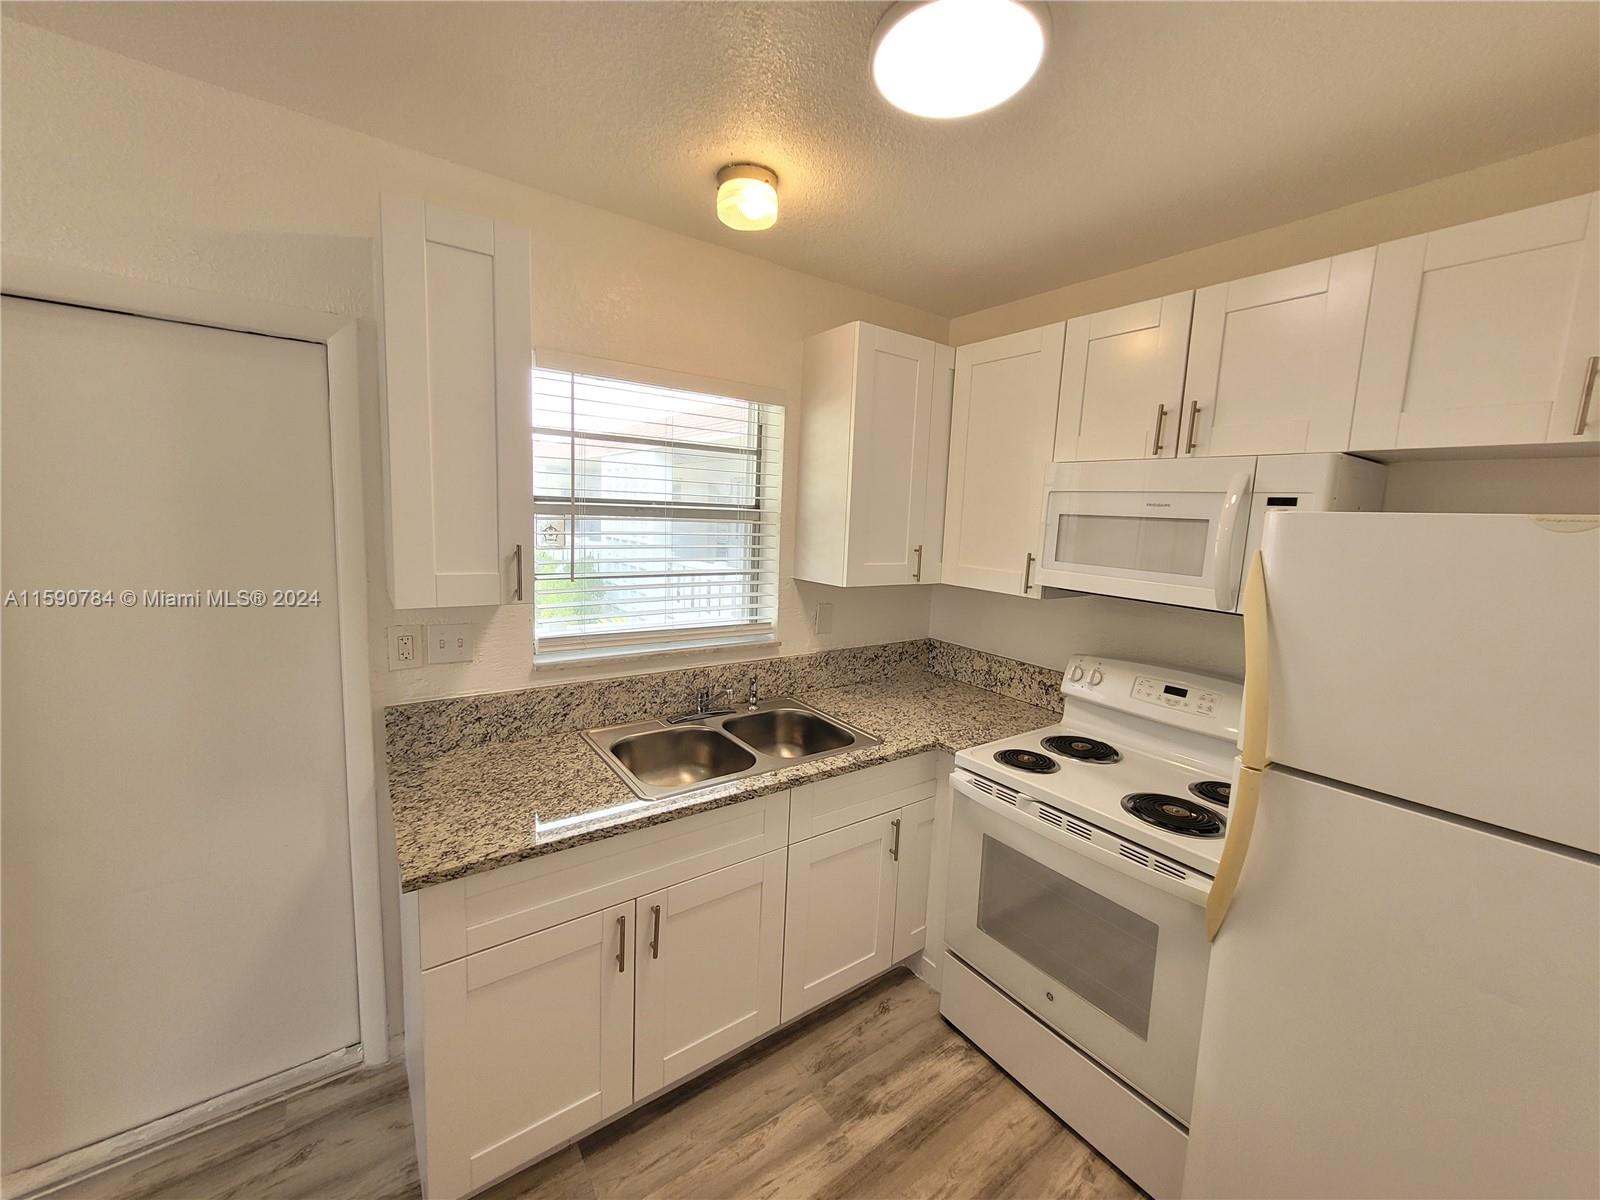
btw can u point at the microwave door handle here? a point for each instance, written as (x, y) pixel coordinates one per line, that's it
(1224, 574)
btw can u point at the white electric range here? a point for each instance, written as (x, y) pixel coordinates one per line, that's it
(1081, 856)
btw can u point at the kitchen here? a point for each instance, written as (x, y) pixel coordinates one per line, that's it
(562, 817)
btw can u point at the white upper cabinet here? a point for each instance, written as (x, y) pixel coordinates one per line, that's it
(1485, 334)
(874, 429)
(457, 377)
(1122, 381)
(1273, 359)
(1002, 428)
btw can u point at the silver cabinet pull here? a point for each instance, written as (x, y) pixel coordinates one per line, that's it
(917, 574)
(1194, 419)
(516, 558)
(1161, 420)
(655, 931)
(622, 943)
(1588, 395)
(1027, 574)
(894, 846)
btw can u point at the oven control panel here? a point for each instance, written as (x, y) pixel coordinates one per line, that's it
(1174, 695)
(1203, 703)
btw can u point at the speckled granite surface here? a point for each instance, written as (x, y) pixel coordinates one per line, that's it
(474, 808)
(414, 733)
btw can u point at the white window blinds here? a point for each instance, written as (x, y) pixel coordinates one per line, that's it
(655, 513)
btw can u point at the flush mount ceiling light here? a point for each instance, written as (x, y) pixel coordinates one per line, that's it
(953, 58)
(747, 196)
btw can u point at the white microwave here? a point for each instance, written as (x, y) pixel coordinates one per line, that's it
(1179, 530)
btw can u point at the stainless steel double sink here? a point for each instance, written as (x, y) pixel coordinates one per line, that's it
(659, 758)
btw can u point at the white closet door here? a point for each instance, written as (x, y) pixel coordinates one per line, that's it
(1273, 359)
(177, 891)
(1002, 425)
(1122, 381)
(1482, 334)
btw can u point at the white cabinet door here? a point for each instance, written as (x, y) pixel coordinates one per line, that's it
(839, 929)
(874, 416)
(1122, 381)
(457, 378)
(710, 955)
(944, 383)
(1002, 427)
(525, 1045)
(912, 843)
(1483, 334)
(1273, 359)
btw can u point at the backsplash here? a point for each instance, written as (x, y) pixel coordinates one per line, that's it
(1023, 681)
(417, 732)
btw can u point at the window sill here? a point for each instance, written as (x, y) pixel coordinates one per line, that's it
(554, 661)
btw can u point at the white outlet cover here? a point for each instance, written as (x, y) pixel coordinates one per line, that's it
(405, 647)
(822, 622)
(451, 643)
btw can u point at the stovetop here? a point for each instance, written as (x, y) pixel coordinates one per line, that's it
(1094, 786)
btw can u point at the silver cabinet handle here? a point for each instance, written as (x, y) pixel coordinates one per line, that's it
(894, 846)
(1194, 419)
(1588, 395)
(1027, 574)
(917, 574)
(622, 943)
(1161, 420)
(516, 558)
(655, 931)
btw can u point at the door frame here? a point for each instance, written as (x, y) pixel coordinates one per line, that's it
(40, 279)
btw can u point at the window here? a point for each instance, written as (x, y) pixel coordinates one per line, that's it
(655, 513)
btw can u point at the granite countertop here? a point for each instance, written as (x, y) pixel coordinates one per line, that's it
(475, 809)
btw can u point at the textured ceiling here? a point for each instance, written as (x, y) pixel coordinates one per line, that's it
(1151, 129)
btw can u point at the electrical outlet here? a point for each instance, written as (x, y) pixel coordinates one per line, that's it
(450, 643)
(822, 620)
(405, 647)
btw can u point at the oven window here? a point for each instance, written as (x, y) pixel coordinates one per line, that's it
(1100, 950)
(1162, 545)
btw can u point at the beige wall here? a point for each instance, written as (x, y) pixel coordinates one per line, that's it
(122, 167)
(1551, 174)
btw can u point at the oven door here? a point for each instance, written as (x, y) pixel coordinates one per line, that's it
(1115, 964)
(1172, 531)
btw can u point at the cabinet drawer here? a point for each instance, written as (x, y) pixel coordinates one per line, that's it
(467, 915)
(843, 800)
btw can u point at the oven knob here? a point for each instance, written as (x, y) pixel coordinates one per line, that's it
(1077, 672)
(1096, 677)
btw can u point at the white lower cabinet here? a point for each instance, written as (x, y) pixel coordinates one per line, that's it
(840, 927)
(915, 865)
(525, 1045)
(524, 1030)
(857, 904)
(710, 969)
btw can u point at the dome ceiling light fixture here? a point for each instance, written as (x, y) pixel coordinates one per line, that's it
(747, 196)
(953, 58)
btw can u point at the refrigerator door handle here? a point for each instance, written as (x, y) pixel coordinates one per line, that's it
(1252, 750)
(1224, 580)
(1241, 823)
(1257, 669)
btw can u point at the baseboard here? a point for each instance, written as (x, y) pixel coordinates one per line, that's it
(54, 1173)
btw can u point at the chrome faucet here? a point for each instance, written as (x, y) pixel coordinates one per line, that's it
(703, 709)
(752, 696)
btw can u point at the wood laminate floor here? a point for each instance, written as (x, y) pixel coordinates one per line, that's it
(873, 1096)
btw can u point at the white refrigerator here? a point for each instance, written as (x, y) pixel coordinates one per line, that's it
(1404, 994)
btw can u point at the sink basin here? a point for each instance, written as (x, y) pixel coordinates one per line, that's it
(789, 733)
(659, 759)
(680, 758)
